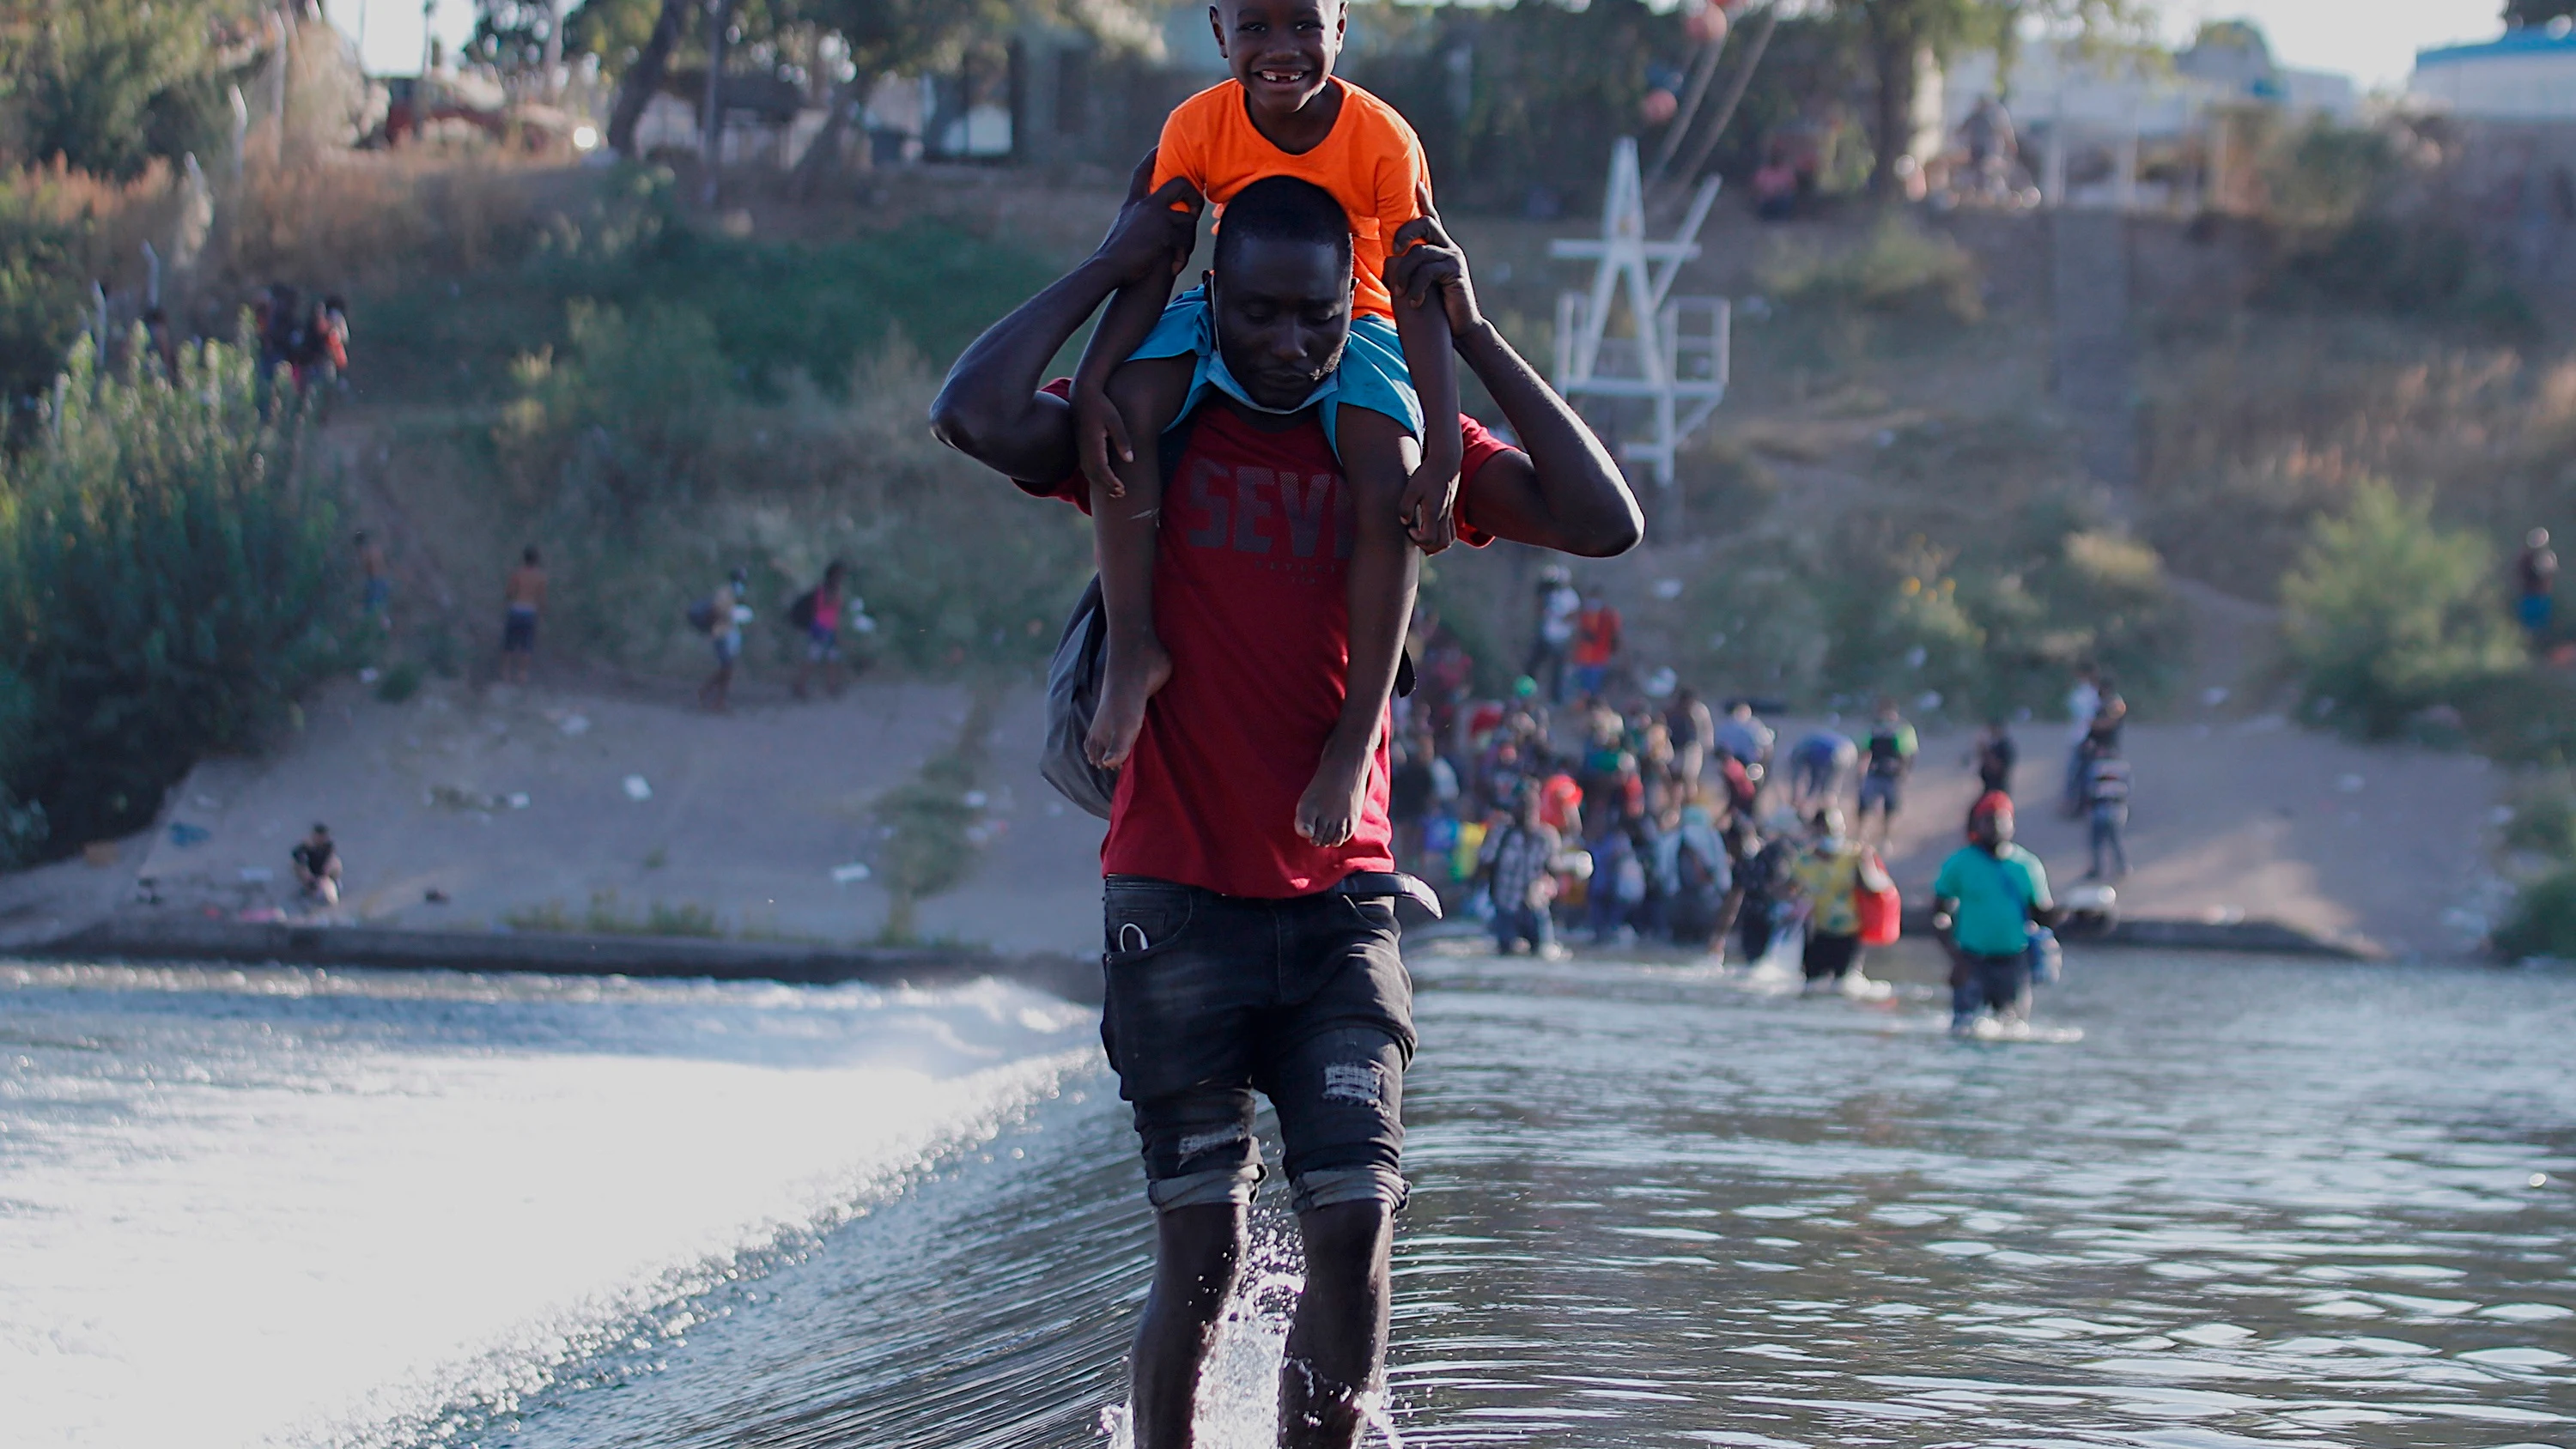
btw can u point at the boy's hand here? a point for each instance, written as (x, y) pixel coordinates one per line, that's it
(1429, 504)
(1151, 240)
(1414, 272)
(1100, 437)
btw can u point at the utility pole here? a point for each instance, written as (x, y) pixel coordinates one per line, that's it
(554, 50)
(711, 150)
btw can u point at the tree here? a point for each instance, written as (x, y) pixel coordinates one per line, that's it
(107, 85)
(885, 35)
(1897, 34)
(644, 76)
(2538, 12)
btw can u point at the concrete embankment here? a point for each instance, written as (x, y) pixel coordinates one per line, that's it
(150, 938)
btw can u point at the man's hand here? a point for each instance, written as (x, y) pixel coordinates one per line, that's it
(1155, 231)
(1436, 263)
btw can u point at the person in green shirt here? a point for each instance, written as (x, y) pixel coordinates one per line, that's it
(1984, 901)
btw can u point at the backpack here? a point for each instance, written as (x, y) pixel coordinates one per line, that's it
(702, 615)
(1082, 653)
(800, 614)
(1881, 909)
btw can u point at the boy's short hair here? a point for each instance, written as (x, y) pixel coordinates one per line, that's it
(1284, 209)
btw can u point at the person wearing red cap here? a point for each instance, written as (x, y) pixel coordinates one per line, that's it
(1985, 901)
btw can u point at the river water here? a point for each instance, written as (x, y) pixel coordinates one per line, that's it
(2258, 1202)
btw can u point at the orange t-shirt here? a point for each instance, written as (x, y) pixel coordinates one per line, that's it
(1370, 162)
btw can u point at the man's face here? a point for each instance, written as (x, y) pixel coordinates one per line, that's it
(1283, 313)
(1281, 51)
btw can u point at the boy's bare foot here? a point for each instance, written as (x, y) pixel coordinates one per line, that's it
(1330, 809)
(1127, 680)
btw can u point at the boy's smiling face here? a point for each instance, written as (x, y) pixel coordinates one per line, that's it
(1282, 51)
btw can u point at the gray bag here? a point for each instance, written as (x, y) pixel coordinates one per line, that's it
(1073, 696)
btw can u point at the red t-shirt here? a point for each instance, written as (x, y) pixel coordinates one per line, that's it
(1252, 599)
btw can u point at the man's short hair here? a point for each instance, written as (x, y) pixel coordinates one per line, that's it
(1283, 209)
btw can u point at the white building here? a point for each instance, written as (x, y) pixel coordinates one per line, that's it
(2529, 75)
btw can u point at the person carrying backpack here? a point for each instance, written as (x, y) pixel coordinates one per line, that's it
(816, 614)
(1986, 900)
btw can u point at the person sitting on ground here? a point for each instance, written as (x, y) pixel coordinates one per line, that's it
(1819, 764)
(1986, 898)
(317, 866)
(1829, 876)
(1890, 747)
(723, 616)
(1289, 965)
(1284, 124)
(523, 598)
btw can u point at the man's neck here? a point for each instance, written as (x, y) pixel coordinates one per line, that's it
(1259, 420)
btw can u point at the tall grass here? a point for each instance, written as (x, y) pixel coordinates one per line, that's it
(649, 472)
(167, 583)
(1897, 270)
(2251, 438)
(2388, 614)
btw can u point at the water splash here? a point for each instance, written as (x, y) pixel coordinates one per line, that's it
(1238, 1400)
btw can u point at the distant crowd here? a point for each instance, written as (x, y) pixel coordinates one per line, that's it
(1598, 804)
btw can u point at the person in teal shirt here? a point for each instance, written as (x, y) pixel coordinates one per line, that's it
(1984, 901)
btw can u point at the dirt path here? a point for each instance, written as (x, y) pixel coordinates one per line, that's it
(748, 815)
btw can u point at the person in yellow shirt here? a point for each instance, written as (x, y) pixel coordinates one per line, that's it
(1829, 876)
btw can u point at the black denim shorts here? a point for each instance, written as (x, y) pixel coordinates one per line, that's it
(1211, 998)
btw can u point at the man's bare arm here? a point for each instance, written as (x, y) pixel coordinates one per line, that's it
(991, 408)
(1562, 490)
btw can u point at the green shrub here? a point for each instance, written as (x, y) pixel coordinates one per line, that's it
(2543, 922)
(1898, 270)
(167, 584)
(649, 477)
(2387, 613)
(41, 293)
(399, 683)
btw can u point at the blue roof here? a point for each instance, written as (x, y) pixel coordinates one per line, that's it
(2529, 40)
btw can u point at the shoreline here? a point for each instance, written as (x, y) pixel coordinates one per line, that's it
(126, 937)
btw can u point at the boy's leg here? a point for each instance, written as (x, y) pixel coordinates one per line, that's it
(1377, 453)
(1148, 394)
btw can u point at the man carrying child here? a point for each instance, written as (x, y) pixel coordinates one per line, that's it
(1252, 946)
